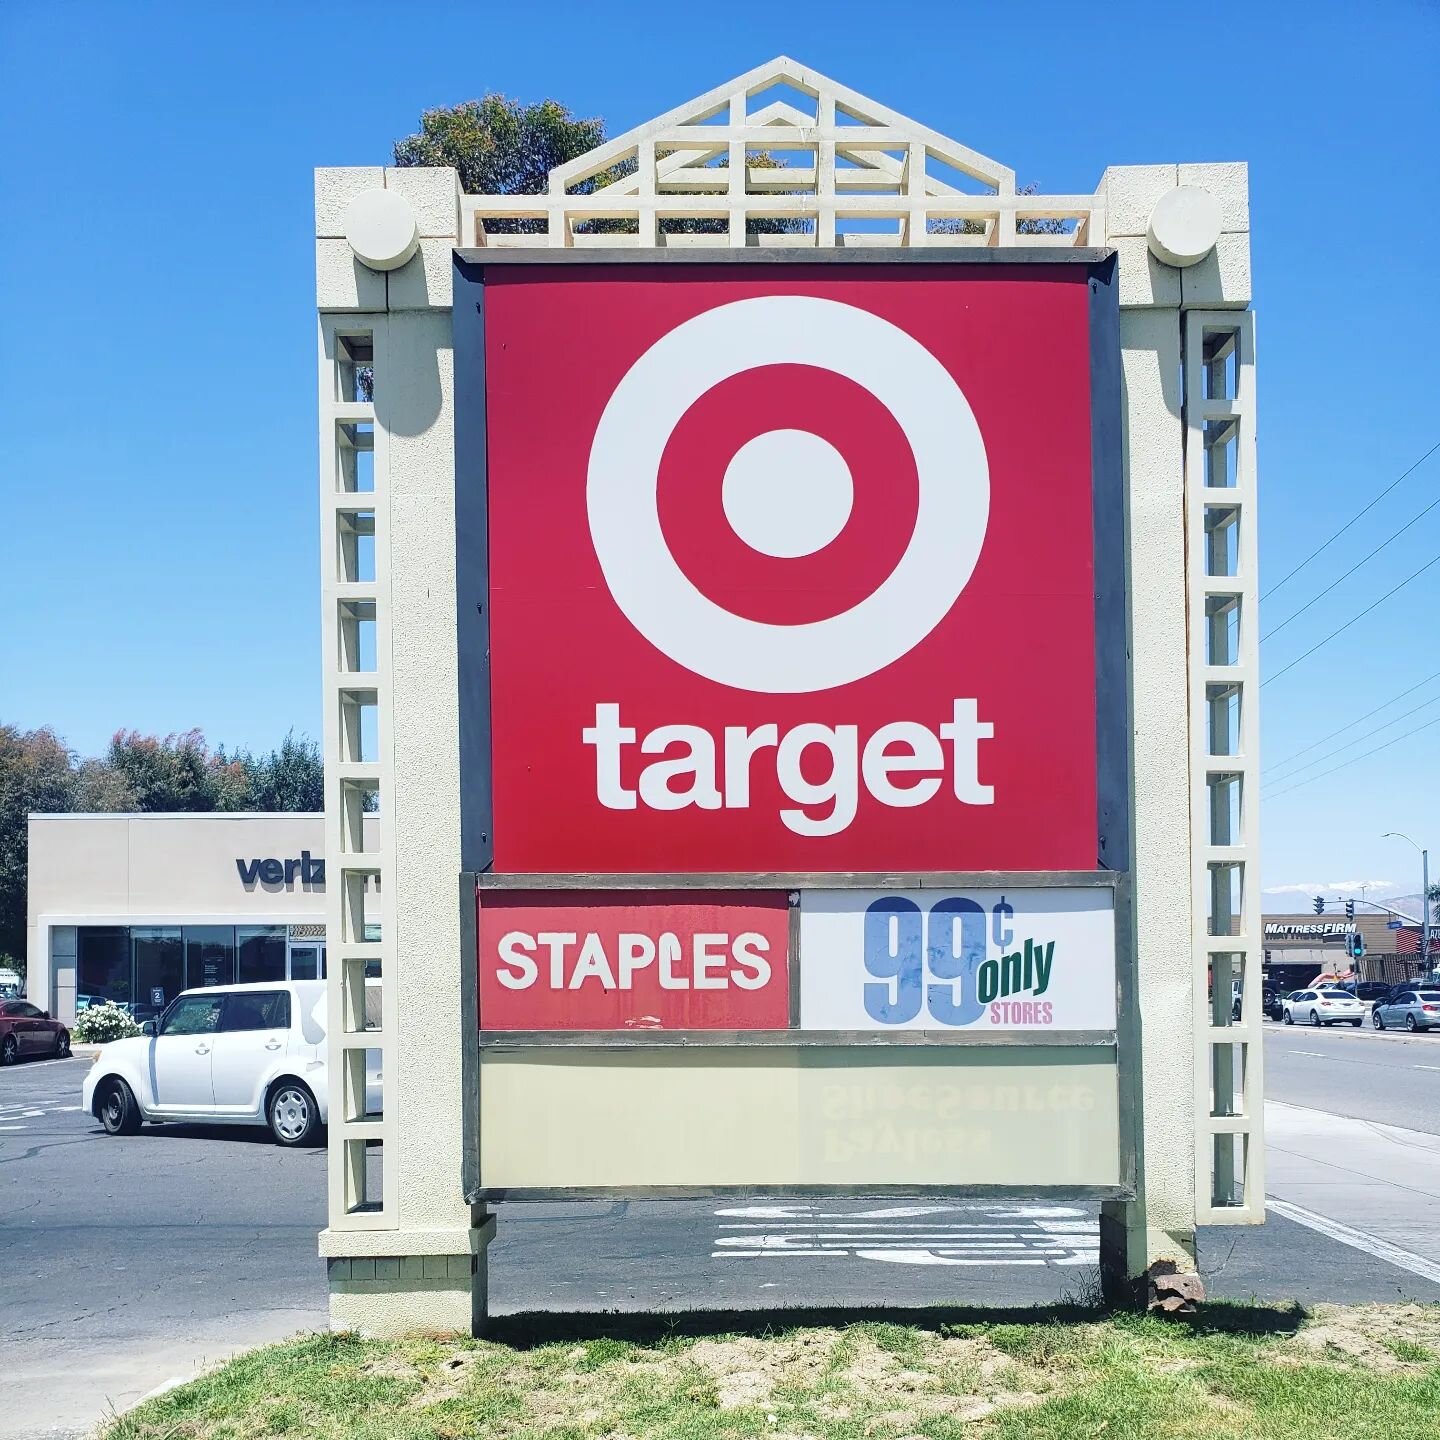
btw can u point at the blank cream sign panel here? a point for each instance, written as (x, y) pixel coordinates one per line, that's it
(976, 960)
(859, 1115)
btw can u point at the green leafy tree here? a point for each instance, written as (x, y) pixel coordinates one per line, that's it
(175, 773)
(291, 777)
(498, 146)
(35, 777)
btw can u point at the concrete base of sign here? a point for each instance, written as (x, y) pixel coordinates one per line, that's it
(1132, 1253)
(437, 1291)
(413, 1294)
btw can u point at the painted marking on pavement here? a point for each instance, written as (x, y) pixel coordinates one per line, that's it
(1425, 1067)
(1358, 1240)
(1315, 1054)
(23, 1110)
(1031, 1235)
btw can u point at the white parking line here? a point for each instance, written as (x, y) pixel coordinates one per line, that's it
(1358, 1240)
(1425, 1067)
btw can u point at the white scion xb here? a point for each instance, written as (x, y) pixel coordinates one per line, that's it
(229, 1054)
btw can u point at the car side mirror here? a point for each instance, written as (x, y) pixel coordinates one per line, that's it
(44, 1014)
(151, 1027)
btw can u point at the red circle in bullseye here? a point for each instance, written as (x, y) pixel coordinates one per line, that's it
(805, 588)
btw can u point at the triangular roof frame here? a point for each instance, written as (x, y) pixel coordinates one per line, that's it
(856, 173)
(832, 100)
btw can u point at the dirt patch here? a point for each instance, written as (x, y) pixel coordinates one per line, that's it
(446, 1379)
(391, 1366)
(1364, 1334)
(746, 1371)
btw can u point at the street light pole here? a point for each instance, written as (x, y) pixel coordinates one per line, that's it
(1424, 893)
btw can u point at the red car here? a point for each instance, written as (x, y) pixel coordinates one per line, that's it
(28, 1032)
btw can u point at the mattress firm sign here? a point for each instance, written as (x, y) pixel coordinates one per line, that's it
(978, 960)
(800, 576)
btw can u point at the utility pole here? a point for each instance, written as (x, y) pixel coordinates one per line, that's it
(1424, 894)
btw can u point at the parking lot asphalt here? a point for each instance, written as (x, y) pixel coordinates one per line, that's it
(131, 1261)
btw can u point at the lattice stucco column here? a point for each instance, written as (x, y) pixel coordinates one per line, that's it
(400, 1256)
(1184, 330)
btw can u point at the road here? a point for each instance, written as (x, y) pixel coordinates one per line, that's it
(1390, 1078)
(154, 1254)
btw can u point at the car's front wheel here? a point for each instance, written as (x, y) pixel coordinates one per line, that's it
(119, 1113)
(9, 1050)
(1288, 1018)
(62, 1044)
(292, 1113)
(1376, 1020)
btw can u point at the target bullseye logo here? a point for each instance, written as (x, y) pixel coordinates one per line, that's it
(787, 493)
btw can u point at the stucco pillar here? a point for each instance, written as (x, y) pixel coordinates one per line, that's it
(414, 1260)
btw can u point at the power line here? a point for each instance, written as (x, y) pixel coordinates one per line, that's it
(1435, 560)
(1357, 759)
(1281, 764)
(1351, 570)
(1351, 521)
(1321, 759)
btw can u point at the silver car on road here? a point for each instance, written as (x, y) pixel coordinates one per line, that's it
(1414, 1009)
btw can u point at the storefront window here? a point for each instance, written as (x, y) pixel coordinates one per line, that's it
(305, 962)
(209, 955)
(102, 965)
(159, 958)
(260, 953)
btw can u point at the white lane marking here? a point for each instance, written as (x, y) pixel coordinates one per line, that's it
(1314, 1054)
(1030, 1235)
(927, 1257)
(1425, 1067)
(8, 1129)
(1358, 1240)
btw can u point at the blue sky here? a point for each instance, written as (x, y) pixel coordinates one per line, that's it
(158, 547)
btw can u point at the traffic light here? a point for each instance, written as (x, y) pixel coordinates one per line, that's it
(1349, 909)
(1319, 904)
(1356, 945)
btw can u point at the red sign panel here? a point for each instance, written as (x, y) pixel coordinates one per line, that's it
(791, 567)
(638, 961)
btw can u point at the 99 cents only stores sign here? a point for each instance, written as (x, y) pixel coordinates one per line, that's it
(777, 570)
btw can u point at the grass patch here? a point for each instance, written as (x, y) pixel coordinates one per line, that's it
(1234, 1373)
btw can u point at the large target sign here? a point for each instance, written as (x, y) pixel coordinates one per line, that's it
(789, 567)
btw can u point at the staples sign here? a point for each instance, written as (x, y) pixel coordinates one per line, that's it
(791, 568)
(637, 961)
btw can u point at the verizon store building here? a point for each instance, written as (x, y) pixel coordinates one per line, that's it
(136, 908)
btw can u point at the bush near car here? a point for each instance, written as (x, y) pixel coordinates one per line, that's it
(102, 1023)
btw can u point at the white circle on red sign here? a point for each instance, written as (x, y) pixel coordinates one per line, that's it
(808, 501)
(787, 493)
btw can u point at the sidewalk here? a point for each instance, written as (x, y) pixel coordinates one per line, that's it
(1381, 1180)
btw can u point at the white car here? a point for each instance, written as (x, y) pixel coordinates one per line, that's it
(1322, 1006)
(228, 1054)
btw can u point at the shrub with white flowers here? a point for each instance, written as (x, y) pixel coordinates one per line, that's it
(101, 1023)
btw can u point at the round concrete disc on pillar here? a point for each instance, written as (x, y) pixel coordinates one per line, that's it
(1184, 225)
(381, 229)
